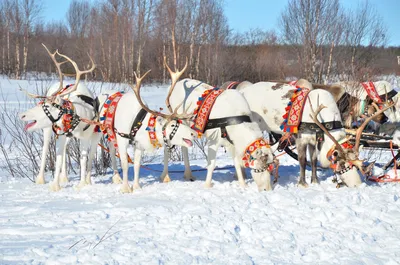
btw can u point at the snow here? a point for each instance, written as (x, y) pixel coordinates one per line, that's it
(185, 223)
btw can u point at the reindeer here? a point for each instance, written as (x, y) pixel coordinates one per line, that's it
(355, 104)
(131, 117)
(52, 114)
(268, 100)
(236, 132)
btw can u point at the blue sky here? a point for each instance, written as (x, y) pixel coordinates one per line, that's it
(246, 14)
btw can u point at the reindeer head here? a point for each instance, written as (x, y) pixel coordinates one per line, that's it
(344, 157)
(174, 131)
(43, 115)
(258, 156)
(49, 110)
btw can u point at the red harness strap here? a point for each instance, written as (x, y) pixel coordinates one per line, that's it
(294, 110)
(202, 112)
(248, 159)
(108, 117)
(151, 128)
(344, 143)
(232, 85)
(370, 88)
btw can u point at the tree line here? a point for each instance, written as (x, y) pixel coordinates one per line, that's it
(317, 39)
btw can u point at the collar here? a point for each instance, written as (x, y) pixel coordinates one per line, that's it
(333, 159)
(254, 146)
(167, 142)
(151, 128)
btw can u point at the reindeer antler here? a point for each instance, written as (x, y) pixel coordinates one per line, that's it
(77, 72)
(60, 74)
(364, 124)
(58, 66)
(315, 119)
(174, 79)
(174, 115)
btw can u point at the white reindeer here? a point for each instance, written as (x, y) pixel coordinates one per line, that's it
(229, 104)
(168, 129)
(268, 100)
(48, 115)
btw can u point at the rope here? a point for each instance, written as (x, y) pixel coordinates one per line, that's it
(394, 159)
(130, 161)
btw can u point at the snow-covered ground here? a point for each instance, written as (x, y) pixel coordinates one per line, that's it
(185, 223)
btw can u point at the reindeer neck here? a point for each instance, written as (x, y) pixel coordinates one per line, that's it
(243, 135)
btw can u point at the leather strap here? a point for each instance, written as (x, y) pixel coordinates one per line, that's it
(312, 127)
(223, 122)
(137, 123)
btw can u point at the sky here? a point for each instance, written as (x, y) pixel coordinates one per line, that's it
(264, 14)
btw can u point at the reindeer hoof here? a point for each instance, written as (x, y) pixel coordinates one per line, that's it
(302, 185)
(126, 189)
(81, 185)
(40, 181)
(64, 179)
(314, 181)
(136, 186)
(54, 186)
(189, 177)
(243, 185)
(88, 181)
(209, 185)
(116, 179)
(166, 179)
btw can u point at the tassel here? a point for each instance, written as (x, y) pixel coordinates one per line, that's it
(285, 116)
(290, 104)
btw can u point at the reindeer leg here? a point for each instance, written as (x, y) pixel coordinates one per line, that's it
(239, 171)
(93, 148)
(276, 171)
(64, 175)
(164, 175)
(46, 143)
(84, 146)
(55, 184)
(313, 154)
(122, 146)
(188, 172)
(211, 160)
(138, 157)
(116, 179)
(302, 155)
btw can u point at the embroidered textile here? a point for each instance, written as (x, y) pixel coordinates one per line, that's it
(67, 118)
(294, 110)
(151, 128)
(248, 159)
(202, 112)
(110, 107)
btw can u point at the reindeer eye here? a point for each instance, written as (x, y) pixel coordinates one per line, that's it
(335, 153)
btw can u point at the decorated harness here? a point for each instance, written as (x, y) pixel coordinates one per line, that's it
(202, 123)
(108, 129)
(70, 120)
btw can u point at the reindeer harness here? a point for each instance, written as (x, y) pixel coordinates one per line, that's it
(70, 120)
(109, 130)
(202, 123)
